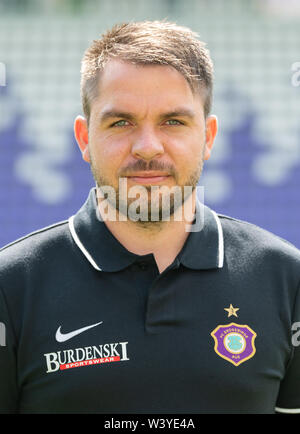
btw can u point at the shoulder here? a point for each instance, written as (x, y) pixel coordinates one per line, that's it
(34, 246)
(244, 238)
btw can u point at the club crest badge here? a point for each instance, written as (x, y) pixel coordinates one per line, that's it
(234, 342)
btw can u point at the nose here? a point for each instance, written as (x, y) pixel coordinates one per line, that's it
(147, 144)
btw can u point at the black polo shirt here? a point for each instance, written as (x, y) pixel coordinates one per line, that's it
(93, 328)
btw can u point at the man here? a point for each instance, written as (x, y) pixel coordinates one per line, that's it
(128, 308)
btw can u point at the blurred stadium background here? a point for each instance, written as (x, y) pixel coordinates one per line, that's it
(254, 170)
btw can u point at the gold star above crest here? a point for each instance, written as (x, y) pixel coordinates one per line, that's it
(232, 310)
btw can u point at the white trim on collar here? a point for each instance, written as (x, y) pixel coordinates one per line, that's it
(80, 245)
(221, 240)
(288, 410)
(93, 263)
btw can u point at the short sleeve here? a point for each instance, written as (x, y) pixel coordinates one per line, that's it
(8, 370)
(289, 394)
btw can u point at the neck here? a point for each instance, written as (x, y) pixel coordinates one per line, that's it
(164, 239)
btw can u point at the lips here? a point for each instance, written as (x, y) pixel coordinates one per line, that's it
(148, 177)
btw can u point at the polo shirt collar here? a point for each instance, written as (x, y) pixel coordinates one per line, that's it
(203, 249)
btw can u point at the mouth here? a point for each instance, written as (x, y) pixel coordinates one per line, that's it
(148, 177)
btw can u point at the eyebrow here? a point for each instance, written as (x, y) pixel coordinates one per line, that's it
(112, 114)
(178, 112)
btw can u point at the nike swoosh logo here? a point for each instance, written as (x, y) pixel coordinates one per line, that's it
(62, 337)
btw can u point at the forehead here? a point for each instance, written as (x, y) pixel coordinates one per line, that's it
(160, 86)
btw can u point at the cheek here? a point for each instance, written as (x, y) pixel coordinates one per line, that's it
(187, 154)
(108, 153)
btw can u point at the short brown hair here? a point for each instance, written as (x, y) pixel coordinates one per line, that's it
(149, 43)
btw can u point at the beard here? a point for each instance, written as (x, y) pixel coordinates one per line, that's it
(161, 201)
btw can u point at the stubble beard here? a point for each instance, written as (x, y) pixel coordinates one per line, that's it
(168, 203)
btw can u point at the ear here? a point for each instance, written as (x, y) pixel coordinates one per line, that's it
(82, 137)
(211, 132)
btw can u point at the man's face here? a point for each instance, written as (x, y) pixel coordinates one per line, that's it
(147, 126)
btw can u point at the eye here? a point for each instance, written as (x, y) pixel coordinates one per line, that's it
(120, 123)
(173, 122)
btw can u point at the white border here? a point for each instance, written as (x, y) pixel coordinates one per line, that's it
(80, 245)
(221, 240)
